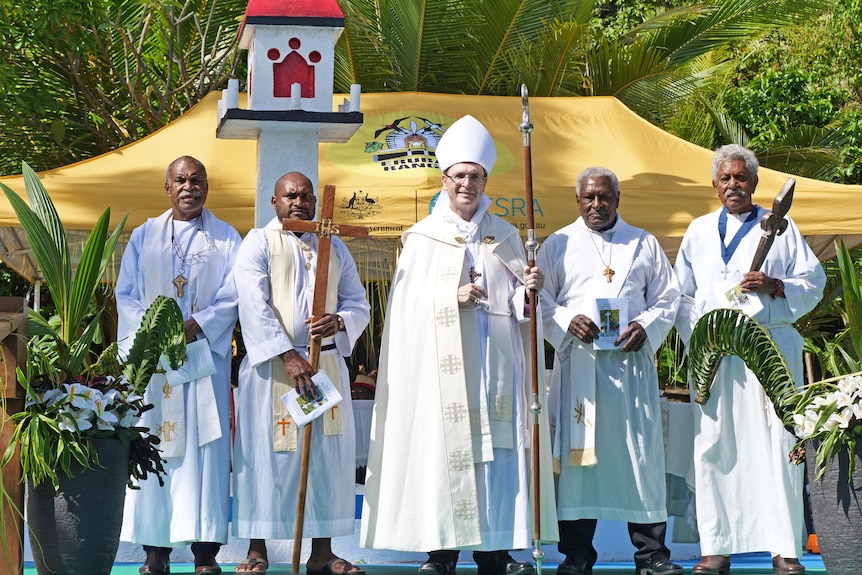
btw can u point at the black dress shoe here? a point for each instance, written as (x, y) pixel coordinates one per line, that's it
(500, 563)
(657, 565)
(439, 563)
(575, 566)
(433, 568)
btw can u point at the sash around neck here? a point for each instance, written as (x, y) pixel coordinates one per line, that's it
(727, 250)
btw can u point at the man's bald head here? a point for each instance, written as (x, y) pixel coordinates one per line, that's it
(293, 197)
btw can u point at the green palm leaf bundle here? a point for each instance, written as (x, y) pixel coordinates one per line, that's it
(825, 412)
(723, 332)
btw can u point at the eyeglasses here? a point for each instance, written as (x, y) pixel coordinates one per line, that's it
(461, 179)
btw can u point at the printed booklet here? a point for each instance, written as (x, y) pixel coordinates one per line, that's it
(613, 313)
(198, 363)
(730, 295)
(303, 410)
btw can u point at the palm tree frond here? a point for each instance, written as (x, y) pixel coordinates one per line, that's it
(161, 332)
(724, 332)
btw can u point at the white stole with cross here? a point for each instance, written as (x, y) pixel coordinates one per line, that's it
(582, 424)
(169, 403)
(284, 255)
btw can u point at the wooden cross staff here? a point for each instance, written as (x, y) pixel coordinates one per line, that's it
(325, 229)
(773, 223)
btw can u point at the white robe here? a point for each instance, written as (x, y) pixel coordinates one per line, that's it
(436, 479)
(194, 502)
(265, 481)
(748, 496)
(628, 481)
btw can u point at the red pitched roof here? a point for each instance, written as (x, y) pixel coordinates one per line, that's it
(292, 9)
(291, 12)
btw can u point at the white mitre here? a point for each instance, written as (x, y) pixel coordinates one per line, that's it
(466, 140)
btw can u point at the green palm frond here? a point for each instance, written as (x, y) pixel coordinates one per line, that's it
(161, 332)
(551, 64)
(724, 332)
(730, 131)
(72, 292)
(54, 263)
(692, 31)
(502, 26)
(657, 54)
(108, 361)
(850, 280)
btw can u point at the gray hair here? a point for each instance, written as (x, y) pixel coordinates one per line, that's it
(732, 152)
(594, 173)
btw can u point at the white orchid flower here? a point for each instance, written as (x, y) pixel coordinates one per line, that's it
(845, 416)
(832, 422)
(105, 419)
(129, 419)
(72, 420)
(81, 396)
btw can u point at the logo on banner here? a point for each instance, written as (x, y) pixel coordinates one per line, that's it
(361, 205)
(397, 144)
(395, 153)
(406, 143)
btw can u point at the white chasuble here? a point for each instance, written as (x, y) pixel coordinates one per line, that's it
(283, 255)
(449, 453)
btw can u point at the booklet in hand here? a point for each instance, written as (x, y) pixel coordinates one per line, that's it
(730, 295)
(303, 410)
(613, 316)
(198, 363)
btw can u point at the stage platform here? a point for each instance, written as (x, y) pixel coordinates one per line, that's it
(747, 564)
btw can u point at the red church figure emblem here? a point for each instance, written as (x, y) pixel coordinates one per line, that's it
(293, 69)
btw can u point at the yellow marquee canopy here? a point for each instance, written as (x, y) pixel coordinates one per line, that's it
(386, 174)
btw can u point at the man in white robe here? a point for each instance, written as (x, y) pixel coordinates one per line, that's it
(608, 436)
(186, 253)
(275, 277)
(738, 437)
(448, 462)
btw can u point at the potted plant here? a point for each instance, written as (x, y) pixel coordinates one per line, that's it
(826, 416)
(82, 403)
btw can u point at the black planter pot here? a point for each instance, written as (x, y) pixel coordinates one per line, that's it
(836, 508)
(77, 530)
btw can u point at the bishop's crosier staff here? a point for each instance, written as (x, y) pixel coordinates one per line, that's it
(531, 245)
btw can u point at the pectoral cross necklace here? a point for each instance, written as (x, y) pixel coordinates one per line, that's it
(608, 272)
(181, 280)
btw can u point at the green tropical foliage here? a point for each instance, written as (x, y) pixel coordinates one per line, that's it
(82, 78)
(50, 430)
(72, 393)
(61, 349)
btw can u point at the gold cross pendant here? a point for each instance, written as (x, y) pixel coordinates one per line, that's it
(180, 283)
(608, 273)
